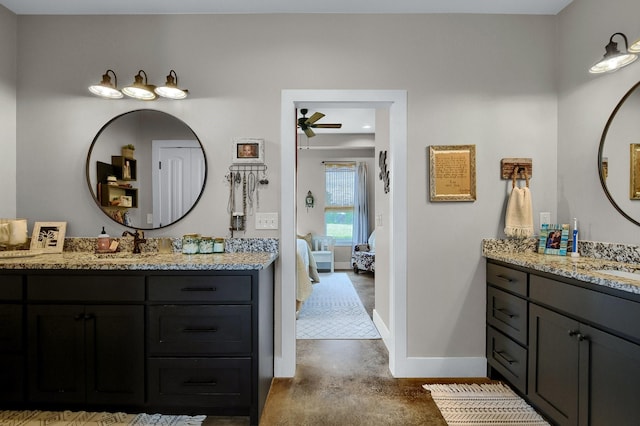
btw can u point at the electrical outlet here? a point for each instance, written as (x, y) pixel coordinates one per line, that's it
(545, 217)
(150, 218)
(267, 221)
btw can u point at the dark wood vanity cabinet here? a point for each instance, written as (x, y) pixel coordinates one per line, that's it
(12, 348)
(210, 342)
(183, 342)
(86, 343)
(582, 353)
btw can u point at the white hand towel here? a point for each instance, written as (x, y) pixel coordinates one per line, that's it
(518, 220)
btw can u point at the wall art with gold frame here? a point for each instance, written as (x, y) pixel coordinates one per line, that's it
(452, 173)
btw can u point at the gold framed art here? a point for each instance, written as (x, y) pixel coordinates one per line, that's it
(452, 173)
(634, 171)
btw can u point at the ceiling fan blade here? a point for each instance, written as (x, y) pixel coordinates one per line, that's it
(309, 132)
(315, 117)
(328, 126)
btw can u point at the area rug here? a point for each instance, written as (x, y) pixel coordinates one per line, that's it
(334, 311)
(482, 405)
(84, 418)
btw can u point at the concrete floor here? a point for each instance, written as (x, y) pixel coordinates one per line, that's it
(345, 382)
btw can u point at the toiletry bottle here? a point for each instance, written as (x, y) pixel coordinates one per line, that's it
(574, 240)
(103, 241)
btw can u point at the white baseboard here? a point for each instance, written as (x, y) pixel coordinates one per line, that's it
(441, 367)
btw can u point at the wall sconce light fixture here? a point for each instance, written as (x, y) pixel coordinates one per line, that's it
(309, 201)
(140, 89)
(613, 59)
(635, 46)
(170, 89)
(106, 89)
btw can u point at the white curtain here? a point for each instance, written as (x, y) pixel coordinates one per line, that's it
(361, 206)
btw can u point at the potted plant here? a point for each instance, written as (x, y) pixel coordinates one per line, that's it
(127, 151)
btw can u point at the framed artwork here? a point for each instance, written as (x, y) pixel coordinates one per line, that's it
(554, 239)
(248, 150)
(452, 172)
(634, 171)
(48, 237)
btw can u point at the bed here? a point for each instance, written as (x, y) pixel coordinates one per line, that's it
(306, 271)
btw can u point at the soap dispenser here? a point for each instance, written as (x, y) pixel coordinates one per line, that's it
(103, 241)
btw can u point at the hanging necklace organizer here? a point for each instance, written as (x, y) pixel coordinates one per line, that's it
(245, 181)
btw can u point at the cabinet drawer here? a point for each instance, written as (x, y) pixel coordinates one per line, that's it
(507, 278)
(603, 310)
(199, 329)
(200, 288)
(507, 313)
(507, 357)
(86, 288)
(199, 382)
(10, 287)
(10, 328)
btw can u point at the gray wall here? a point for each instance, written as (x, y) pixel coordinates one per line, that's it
(8, 53)
(471, 79)
(585, 103)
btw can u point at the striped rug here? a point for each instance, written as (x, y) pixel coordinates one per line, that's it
(483, 405)
(84, 418)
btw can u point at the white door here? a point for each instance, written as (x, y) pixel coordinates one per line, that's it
(177, 178)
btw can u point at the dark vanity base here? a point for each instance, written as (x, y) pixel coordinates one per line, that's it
(171, 342)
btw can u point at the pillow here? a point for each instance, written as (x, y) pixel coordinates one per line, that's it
(372, 242)
(307, 238)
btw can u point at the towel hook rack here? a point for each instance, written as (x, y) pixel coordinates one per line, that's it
(518, 170)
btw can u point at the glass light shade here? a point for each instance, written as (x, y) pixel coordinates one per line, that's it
(170, 89)
(635, 46)
(140, 89)
(613, 63)
(106, 89)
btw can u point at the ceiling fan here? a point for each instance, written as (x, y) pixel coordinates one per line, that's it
(306, 124)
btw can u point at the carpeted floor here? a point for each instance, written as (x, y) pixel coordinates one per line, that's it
(334, 311)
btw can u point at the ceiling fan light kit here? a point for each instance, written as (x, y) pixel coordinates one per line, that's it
(308, 124)
(140, 89)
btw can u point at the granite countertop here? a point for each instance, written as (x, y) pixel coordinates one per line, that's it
(141, 262)
(583, 268)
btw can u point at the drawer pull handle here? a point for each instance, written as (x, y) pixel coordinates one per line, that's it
(200, 383)
(505, 278)
(201, 330)
(501, 355)
(200, 289)
(504, 312)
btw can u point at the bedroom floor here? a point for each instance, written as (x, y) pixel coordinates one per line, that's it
(345, 382)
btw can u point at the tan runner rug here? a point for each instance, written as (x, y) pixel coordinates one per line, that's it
(482, 405)
(84, 418)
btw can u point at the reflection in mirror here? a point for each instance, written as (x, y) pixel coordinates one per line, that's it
(156, 185)
(614, 156)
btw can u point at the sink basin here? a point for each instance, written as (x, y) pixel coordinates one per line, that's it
(621, 274)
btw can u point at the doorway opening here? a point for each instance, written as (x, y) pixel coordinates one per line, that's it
(392, 322)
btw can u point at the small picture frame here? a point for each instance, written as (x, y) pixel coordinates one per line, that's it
(554, 239)
(248, 150)
(48, 237)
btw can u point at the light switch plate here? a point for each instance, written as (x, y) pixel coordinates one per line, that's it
(266, 220)
(545, 217)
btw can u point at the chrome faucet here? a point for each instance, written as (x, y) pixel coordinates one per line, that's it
(138, 238)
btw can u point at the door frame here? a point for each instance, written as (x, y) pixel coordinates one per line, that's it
(285, 320)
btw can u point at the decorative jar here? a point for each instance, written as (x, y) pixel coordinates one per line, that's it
(190, 243)
(218, 245)
(206, 245)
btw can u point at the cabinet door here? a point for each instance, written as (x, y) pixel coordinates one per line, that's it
(553, 377)
(611, 382)
(11, 354)
(56, 353)
(115, 354)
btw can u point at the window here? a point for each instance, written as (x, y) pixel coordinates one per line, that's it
(339, 199)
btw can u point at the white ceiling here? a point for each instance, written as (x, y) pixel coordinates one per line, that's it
(116, 7)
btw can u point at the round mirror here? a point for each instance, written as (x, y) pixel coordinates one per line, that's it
(146, 169)
(619, 157)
